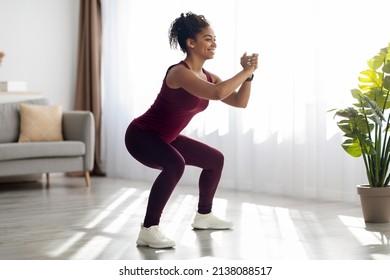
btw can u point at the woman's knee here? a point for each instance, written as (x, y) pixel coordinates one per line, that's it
(218, 160)
(175, 166)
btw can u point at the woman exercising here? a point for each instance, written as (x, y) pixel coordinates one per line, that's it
(154, 138)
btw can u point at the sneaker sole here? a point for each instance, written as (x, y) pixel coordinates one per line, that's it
(194, 226)
(142, 243)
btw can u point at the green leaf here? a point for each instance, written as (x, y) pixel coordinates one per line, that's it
(352, 147)
(347, 113)
(380, 96)
(386, 83)
(375, 111)
(346, 126)
(366, 144)
(386, 50)
(369, 79)
(376, 61)
(360, 125)
(386, 67)
(357, 94)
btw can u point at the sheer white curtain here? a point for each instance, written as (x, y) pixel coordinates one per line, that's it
(285, 142)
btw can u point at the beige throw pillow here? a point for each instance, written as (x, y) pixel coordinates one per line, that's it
(40, 123)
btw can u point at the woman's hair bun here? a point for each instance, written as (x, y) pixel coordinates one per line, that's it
(184, 27)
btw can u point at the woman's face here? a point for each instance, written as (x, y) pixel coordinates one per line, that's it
(204, 44)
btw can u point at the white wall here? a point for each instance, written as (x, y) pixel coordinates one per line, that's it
(39, 38)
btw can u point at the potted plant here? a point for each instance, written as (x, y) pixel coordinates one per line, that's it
(366, 127)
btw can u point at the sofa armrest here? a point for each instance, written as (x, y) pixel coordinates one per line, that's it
(80, 126)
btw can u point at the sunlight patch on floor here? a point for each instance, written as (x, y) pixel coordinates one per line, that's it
(105, 213)
(123, 218)
(67, 245)
(92, 249)
(183, 206)
(357, 227)
(286, 224)
(98, 243)
(260, 220)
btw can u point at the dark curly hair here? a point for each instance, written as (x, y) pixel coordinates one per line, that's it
(184, 27)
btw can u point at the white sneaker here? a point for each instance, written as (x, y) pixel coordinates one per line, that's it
(154, 238)
(209, 221)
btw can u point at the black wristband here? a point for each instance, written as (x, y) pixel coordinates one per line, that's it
(250, 78)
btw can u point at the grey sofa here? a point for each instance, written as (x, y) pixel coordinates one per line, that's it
(74, 154)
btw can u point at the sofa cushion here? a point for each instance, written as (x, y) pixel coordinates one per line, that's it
(40, 123)
(10, 119)
(16, 151)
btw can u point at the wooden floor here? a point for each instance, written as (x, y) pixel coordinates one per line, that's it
(69, 221)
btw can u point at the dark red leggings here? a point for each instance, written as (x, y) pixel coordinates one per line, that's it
(171, 158)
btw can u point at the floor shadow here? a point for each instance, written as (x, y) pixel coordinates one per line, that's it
(382, 232)
(21, 186)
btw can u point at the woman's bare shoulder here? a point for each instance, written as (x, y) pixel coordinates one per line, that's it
(174, 74)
